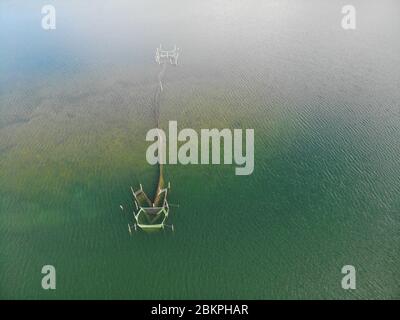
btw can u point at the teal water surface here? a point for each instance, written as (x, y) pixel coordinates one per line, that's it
(75, 106)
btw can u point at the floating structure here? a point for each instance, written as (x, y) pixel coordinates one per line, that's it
(150, 216)
(170, 56)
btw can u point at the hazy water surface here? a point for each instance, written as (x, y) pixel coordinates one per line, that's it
(75, 105)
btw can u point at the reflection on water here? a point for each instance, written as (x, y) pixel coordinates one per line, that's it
(75, 107)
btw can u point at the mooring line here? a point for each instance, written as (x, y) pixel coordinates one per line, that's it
(156, 103)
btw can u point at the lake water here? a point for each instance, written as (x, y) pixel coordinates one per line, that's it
(75, 106)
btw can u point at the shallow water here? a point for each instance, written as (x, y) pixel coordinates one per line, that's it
(324, 104)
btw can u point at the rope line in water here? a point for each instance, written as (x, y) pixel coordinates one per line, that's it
(156, 110)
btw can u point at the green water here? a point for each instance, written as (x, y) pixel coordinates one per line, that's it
(75, 108)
